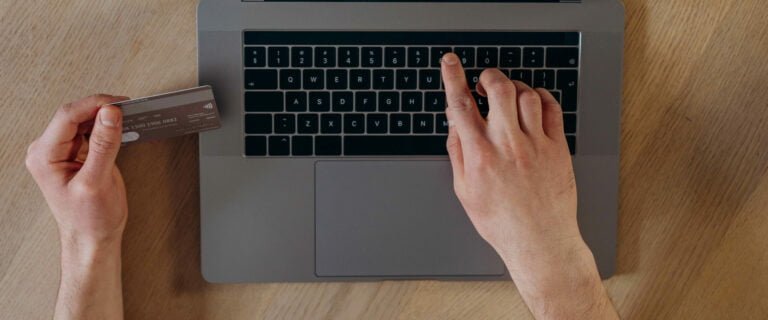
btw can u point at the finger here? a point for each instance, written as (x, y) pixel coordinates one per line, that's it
(502, 100)
(552, 115)
(461, 110)
(104, 144)
(57, 137)
(480, 89)
(529, 109)
(456, 155)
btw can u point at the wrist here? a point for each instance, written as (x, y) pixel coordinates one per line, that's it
(549, 280)
(81, 249)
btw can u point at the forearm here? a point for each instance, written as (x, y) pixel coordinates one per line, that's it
(561, 285)
(90, 280)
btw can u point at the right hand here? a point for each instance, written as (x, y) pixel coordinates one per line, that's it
(513, 172)
(513, 175)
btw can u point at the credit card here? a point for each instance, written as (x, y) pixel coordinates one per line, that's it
(169, 115)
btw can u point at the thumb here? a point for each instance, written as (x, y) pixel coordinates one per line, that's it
(104, 143)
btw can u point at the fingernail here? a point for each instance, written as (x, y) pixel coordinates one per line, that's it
(108, 117)
(450, 59)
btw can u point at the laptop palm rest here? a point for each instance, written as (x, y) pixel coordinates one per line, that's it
(394, 219)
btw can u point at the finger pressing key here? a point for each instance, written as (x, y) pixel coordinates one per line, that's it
(461, 110)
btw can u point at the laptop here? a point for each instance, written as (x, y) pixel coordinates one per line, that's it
(331, 164)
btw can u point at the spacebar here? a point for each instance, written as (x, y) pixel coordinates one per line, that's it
(394, 145)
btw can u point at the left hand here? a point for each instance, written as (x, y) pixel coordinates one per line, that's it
(78, 175)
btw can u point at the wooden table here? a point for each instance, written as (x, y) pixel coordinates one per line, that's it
(693, 236)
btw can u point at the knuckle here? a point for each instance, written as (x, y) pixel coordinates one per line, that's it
(31, 160)
(453, 145)
(530, 97)
(101, 145)
(83, 190)
(462, 102)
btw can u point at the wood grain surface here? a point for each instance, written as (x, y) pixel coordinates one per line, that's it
(693, 235)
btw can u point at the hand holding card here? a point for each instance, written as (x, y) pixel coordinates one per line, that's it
(169, 115)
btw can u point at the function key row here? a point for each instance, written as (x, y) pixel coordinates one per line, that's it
(414, 57)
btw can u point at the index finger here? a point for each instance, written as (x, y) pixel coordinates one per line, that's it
(65, 123)
(461, 111)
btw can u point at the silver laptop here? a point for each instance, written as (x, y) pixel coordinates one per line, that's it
(331, 162)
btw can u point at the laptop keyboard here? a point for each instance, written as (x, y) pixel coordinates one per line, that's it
(379, 93)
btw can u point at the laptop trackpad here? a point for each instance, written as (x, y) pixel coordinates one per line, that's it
(394, 218)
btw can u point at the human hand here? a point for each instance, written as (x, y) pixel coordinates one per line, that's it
(78, 175)
(513, 175)
(513, 172)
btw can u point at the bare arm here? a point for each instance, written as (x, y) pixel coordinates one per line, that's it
(86, 193)
(513, 175)
(90, 281)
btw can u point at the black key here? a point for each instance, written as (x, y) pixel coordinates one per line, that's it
(569, 120)
(330, 123)
(525, 76)
(544, 79)
(258, 123)
(360, 79)
(441, 123)
(365, 101)
(533, 57)
(336, 79)
(278, 57)
(418, 57)
(261, 79)
(423, 123)
(314, 79)
(383, 79)
(371, 57)
(556, 94)
(394, 57)
(325, 57)
(481, 102)
(488, 57)
(285, 123)
(349, 57)
(327, 145)
(290, 79)
(466, 56)
(264, 101)
(389, 101)
(377, 123)
(412, 101)
(301, 57)
(301, 145)
(568, 82)
(562, 57)
(434, 101)
(394, 145)
(354, 123)
(342, 101)
(296, 101)
(473, 78)
(437, 55)
(400, 123)
(319, 101)
(510, 58)
(308, 123)
(279, 145)
(255, 56)
(255, 146)
(571, 143)
(406, 79)
(429, 79)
